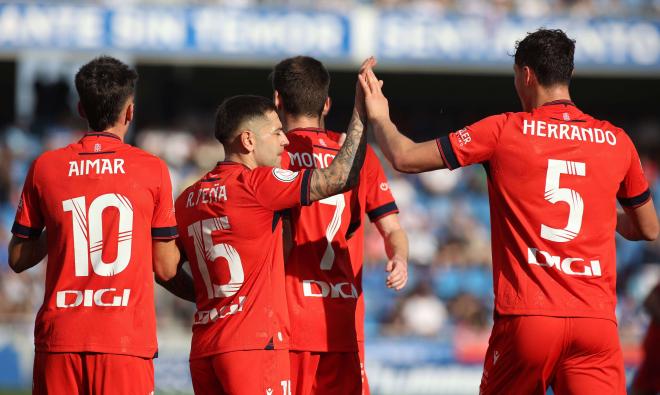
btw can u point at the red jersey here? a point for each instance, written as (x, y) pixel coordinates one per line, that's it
(232, 233)
(102, 202)
(554, 176)
(324, 268)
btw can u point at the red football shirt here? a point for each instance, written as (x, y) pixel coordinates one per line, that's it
(324, 268)
(102, 202)
(231, 230)
(554, 176)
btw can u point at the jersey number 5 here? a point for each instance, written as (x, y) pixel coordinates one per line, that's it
(554, 194)
(88, 233)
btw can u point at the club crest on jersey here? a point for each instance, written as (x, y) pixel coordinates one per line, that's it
(97, 147)
(284, 175)
(384, 186)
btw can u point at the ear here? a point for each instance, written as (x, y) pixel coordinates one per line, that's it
(247, 140)
(129, 113)
(529, 76)
(81, 111)
(326, 106)
(277, 99)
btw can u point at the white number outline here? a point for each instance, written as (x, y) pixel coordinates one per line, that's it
(88, 233)
(555, 194)
(339, 202)
(207, 252)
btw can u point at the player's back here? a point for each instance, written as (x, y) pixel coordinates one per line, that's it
(554, 176)
(322, 290)
(99, 200)
(233, 239)
(323, 269)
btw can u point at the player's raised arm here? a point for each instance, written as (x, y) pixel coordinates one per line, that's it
(343, 172)
(405, 155)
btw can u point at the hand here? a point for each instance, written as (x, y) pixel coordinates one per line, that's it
(397, 268)
(375, 102)
(359, 92)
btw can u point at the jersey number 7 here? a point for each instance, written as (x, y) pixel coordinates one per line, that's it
(331, 231)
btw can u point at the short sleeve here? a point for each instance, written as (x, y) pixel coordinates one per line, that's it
(163, 222)
(278, 189)
(472, 144)
(29, 222)
(634, 189)
(380, 202)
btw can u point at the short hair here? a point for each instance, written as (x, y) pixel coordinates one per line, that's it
(303, 84)
(104, 85)
(549, 53)
(238, 109)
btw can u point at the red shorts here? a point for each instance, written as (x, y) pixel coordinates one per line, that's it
(527, 354)
(647, 379)
(92, 373)
(363, 372)
(242, 372)
(329, 373)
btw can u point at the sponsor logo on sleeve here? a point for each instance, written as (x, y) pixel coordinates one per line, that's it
(285, 175)
(384, 186)
(463, 137)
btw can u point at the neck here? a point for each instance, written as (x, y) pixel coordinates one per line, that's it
(550, 94)
(247, 160)
(291, 122)
(119, 131)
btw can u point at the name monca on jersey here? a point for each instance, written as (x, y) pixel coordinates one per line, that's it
(309, 160)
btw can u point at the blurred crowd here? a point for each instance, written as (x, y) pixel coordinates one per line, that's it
(528, 8)
(446, 215)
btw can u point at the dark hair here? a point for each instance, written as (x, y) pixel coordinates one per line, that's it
(303, 83)
(238, 109)
(104, 85)
(549, 53)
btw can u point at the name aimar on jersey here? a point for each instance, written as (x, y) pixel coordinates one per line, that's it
(570, 266)
(96, 166)
(562, 131)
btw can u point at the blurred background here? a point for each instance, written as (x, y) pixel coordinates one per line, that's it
(445, 63)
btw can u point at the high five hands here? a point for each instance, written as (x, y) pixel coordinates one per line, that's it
(376, 105)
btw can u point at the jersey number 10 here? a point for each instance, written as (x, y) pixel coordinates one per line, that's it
(88, 233)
